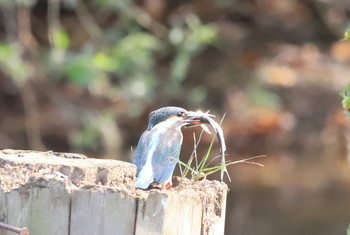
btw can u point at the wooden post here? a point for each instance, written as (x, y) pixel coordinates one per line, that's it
(57, 193)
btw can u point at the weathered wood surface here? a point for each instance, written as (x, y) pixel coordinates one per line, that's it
(102, 212)
(16, 166)
(56, 193)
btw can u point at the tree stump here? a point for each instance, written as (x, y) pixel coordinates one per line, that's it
(64, 193)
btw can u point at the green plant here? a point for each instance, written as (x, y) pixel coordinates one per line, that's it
(199, 169)
(348, 230)
(346, 36)
(346, 100)
(188, 39)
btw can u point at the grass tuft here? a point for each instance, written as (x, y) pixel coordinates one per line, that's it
(197, 169)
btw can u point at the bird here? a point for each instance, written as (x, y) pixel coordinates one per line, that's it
(159, 146)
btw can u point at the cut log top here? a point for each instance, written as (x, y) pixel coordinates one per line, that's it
(18, 166)
(65, 193)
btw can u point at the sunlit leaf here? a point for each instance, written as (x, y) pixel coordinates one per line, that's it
(103, 61)
(206, 34)
(60, 39)
(346, 36)
(346, 103)
(13, 64)
(346, 99)
(6, 52)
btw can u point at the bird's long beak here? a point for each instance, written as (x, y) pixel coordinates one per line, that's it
(197, 118)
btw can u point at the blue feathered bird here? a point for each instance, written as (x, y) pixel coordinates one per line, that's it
(159, 146)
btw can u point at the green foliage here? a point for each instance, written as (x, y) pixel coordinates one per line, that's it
(189, 40)
(134, 53)
(346, 93)
(80, 72)
(61, 39)
(115, 59)
(98, 131)
(87, 138)
(12, 63)
(129, 59)
(348, 230)
(346, 36)
(112, 4)
(128, 49)
(6, 52)
(346, 99)
(104, 62)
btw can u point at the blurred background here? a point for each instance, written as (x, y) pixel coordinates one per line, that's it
(82, 76)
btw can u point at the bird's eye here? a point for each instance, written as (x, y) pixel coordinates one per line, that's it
(181, 114)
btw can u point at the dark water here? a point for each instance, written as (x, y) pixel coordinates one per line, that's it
(301, 200)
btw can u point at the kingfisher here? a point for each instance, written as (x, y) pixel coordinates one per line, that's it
(159, 146)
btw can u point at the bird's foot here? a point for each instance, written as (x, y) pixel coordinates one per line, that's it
(164, 185)
(168, 186)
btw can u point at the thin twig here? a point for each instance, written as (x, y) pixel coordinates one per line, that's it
(146, 21)
(24, 27)
(53, 13)
(88, 22)
(21, 231)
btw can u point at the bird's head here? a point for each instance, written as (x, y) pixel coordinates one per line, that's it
(184, 117)
(163, 114)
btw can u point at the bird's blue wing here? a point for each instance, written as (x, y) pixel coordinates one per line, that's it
(156, 155)
(166, 154)
(144, 168)
(140, 156)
